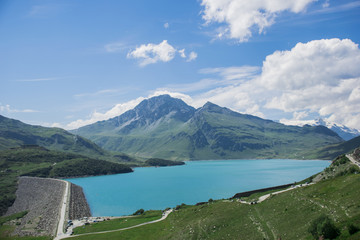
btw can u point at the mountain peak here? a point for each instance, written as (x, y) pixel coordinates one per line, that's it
(209, 106)
(162, 105)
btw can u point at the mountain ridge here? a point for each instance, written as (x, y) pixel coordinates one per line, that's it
(343, 131)
(14, 133)
(167, 127)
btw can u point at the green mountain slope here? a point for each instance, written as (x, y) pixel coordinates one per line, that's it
(14, 133)
(329, 152)
(166, 127)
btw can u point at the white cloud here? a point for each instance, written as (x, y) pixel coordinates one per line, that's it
(307, 64)
(192, 56)
(326, 4)
(153, 53)
(239, 18)
(337, 8)
(166, 25)
(182, 53)
(6, 108)
(234, 73)
(320, 78)
(115, 47)
(162, 52)
(37, 79)
(98, 93)
(117, 110)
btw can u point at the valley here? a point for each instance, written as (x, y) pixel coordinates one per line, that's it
(164, 131)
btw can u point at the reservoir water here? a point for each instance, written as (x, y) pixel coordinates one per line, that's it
(197, 181)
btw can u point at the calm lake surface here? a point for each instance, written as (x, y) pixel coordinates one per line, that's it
(198, 181)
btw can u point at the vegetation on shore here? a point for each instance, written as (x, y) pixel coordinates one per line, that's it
(157, 162)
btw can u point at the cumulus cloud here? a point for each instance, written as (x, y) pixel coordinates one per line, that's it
(313, 63)
(162, 52)
(319, 78)
(239, 18)
(153, 53)
(192, 56)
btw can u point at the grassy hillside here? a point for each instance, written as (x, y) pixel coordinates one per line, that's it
(331, 151)
(14, 133)
(330, 204)
(40, 162)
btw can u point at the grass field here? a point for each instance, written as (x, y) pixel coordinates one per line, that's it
(119, 223)
(287, 216)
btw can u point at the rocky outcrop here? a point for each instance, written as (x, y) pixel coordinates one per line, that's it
(78, 207)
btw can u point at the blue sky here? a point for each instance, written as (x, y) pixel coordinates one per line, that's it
(70, 63)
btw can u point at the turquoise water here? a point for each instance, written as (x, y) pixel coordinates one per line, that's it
(198, 181)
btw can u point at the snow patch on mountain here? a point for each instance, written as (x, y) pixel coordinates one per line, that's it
(343, 131)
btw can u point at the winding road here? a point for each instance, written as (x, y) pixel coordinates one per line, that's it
(350, 157)
(165, 215)
(60, 230)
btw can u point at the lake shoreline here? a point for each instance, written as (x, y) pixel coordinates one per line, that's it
(277, 172)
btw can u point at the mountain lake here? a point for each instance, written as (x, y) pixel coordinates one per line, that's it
(196, 181)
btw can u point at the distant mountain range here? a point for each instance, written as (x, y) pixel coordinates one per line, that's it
(14, 133)
(167, 127)
(343, 131)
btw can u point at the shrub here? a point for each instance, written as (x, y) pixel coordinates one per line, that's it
(139, 212)
(353, 229)
(323, 227)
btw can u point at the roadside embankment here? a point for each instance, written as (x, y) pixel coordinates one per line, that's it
(78, 206)
(42, 198)
(247, 194)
